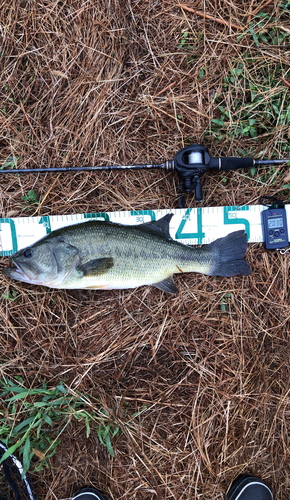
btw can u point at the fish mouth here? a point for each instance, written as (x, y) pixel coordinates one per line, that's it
(16, 272)
(26, 273)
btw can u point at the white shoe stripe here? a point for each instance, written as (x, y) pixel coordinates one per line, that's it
(250, 484)
(18, 464)
(94, 495)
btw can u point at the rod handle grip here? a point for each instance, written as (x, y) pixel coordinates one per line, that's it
(232, 163)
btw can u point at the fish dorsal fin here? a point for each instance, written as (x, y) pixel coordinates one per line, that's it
(160, 226)
(167, 285)
(96, 267)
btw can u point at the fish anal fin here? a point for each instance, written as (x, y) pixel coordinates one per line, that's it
(160, 226)
(96, 267)
(167, 285)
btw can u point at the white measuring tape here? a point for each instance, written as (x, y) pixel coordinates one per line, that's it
(192, 226)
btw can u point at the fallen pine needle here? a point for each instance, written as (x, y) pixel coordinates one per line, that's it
(250, 12)
(258, 9)
(285, 81)
(29, 123)
(207, 16)
(163, 90)
(46, 194)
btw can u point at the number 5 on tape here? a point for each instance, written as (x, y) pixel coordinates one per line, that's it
(230, 217)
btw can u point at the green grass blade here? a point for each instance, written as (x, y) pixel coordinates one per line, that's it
(21, 425)
(109, 446)
(47, 419)
(11, 450)
(26, 455)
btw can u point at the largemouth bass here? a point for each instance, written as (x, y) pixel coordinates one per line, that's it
(105, 255)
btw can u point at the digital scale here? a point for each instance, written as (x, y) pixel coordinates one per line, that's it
(274, 221)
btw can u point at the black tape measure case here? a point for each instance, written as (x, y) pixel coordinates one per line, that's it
(274, 223)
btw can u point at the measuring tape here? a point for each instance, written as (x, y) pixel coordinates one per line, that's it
(192, 226)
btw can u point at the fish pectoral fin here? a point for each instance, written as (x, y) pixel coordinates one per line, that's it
(96, 267)
(167, 285)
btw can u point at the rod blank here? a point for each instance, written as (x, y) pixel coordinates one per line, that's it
(167, 165)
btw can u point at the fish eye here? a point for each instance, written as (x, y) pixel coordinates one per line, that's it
(27, 253)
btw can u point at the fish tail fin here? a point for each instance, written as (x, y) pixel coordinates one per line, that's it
(229, 255)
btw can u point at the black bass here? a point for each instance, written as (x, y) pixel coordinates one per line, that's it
(105, 255)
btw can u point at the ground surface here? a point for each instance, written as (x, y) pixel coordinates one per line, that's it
(199, 382)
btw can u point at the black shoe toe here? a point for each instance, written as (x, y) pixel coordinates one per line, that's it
(249, 488)
(88, 494)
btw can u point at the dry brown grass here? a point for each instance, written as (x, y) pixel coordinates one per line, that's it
(102, 83)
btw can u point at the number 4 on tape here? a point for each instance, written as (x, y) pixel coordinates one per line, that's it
(199, 234)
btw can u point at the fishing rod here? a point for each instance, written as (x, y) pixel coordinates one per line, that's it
(190, 164)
